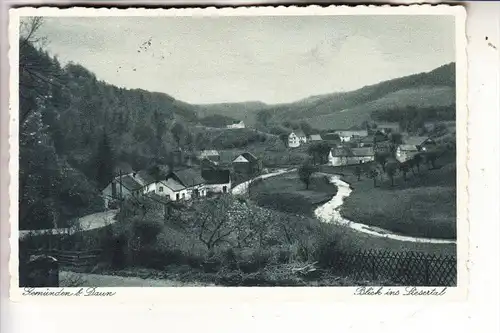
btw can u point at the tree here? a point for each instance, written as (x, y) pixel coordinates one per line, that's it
(104, 162)
(263, 117)
(381, 158)
(430, 158)
(373, 174)
(284, 138)
(304, 125)
(305, 173)
(404, 168)
(357, 172)
(417, 159)
(390, 170)
(178, 131)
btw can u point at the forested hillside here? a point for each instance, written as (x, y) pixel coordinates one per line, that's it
(74, 129)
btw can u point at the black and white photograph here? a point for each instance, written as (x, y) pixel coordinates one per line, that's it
(206, 150)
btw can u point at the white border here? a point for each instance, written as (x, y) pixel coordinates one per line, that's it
(225, 295)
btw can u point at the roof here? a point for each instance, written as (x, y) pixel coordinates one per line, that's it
(145, 177)
(341, 152)
(408, 147)
(415, 140)
(173, 184)
(352, 132)
(299, 133)
(331, 136)
(365, 151)
(188, 177)
(216, 176)
(205, 153)
(388, 125)
(316, 137)
(247, 157)
(130, 183)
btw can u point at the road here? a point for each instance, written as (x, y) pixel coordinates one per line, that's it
(88, 222)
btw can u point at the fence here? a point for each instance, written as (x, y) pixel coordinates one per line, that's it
(399, 268)
(77, 260)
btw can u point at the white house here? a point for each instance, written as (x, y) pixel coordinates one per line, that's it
(350, 156)
(346, 136)
(182, 185)
(131, 184)
(217, 181)
(412, 146)
(296, 138)
(237, 124)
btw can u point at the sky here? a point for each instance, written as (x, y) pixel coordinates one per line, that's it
(204, 60)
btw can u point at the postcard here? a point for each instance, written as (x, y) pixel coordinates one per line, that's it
(179, 154)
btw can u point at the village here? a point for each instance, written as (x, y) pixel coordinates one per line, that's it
(193, 176)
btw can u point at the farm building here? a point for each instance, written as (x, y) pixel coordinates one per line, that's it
(348, 135)
(315, 137)
(217, 181)
(349, 156)
(387, 128)
(236, 124)
(412, 146)
(247, 164)
(122, 187)
(212, 155)
(182, 185)
(296, 138)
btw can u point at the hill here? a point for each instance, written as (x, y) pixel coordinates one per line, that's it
(432, 89)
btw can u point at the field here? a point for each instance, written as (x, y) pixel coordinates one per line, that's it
(422, 206)
(288, 194)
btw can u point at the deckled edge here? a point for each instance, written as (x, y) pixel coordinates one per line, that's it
(457, 10)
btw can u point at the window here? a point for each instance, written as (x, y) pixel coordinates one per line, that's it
(161, 189)
(177, 196)
(224, 189)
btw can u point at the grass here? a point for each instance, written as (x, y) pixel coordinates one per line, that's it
(422, 206)
(286, 193)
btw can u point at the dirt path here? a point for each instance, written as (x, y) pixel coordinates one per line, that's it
(71, 279)
(329, 213)
(88, 222)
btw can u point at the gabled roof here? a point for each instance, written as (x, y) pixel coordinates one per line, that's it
(341, 152)
(173, 184)
(129, 183)
(145, 177)
(316, 137)
(415, 140)
(365, 151)
(388, 126)
(299, 133)
(187, 177)
(408, 147)
(352, 132)
(216, 176)
(247, 157)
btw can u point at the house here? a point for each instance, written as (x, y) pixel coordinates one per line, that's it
(147, 180)
(182, 185)
(212, 155)
(296, 138)
(348, 135)
(315, 137)
(412, 146)
(350, 156)
(247, 164)
(293, 140)
(387, 128)
(122, 187)
(217, 181)
(236, 124)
